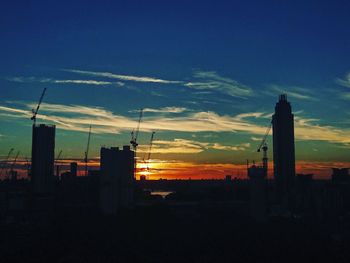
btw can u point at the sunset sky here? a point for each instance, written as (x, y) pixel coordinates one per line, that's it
(207, 73)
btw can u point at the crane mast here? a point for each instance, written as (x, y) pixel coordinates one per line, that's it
(13, 163)
(150, 150)
(57, 166)
(6, 160)
(27, 166)
(135, 133)
(35, 112)
(87, 152)
(263, 146)
(59, 155)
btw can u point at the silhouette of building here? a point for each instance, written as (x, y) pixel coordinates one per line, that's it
(258, 192)
(43, 149)
(73, 169)
(143, 178)
(283, 150)
(340, 175)
(304, 193)
(117, 176)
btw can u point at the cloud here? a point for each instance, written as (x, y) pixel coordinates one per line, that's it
(178, 146)
(256, 139)
(88, 82)
(291, 91)
(62, 81)
(78, 118)
(211, 81)
(122, 77)
(240, 147)
(307, 129)
(190, 146)
(166, 110)
(345, 95)
(255, 115)
(344, 82)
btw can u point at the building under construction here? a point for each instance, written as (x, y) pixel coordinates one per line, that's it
(43, 150)
(117, 177)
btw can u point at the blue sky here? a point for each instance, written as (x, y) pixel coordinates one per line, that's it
(207, 72)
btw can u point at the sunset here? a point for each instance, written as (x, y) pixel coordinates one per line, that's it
(207, 86)
(175, 111)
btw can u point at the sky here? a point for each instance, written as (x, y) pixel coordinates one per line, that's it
(206, 73)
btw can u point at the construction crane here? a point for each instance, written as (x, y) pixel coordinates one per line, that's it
(57, 166)
(263, 146)
(59, 155)
(87, 153)
(35, 112)
(135, 133)
(5, 161)
(13, 164)
(27, 166)
(149, 151)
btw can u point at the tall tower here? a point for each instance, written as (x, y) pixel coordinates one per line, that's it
(283, 149)
(43, 152)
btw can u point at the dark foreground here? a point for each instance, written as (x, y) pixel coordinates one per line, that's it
(159, 233)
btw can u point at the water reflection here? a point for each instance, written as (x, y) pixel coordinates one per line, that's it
(163, 194)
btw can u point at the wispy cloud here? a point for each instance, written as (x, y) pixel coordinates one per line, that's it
(205, 81)
(344, 95)
(78, 118)
(88, 82)
(122, 77)
(292, 91)
(256, 139)
(255, 115)
(239, 147)
(211, 81)
(308, 129)
(178, 146)
(166, 110)
(344, 82)
(62, 81)
(191, 146)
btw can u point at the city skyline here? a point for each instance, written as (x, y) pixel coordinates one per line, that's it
(208, 85)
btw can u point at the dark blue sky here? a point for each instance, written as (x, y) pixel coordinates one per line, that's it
(258, 40)
(224, 58)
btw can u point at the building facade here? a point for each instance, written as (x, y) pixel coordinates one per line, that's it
(257, 192)
(117, 177)
(43, 157)
(283, 150)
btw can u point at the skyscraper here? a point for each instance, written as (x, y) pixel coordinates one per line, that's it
(283, 149)
(43, 151)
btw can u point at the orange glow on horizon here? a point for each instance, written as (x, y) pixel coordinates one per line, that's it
(172, 169)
